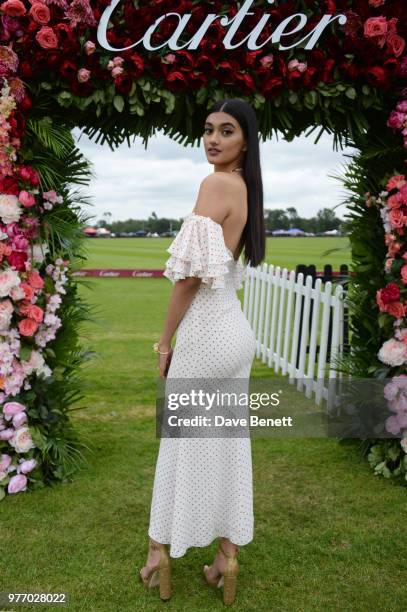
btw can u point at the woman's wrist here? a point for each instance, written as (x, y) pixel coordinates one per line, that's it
(164, 345)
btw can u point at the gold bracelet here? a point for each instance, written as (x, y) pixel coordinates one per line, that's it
(155, 348)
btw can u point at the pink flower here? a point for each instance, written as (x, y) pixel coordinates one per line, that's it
(396, 181)
(13, 8)
(27, 466)
(89, 47)
(5, 462)
(396, 120)
(402, 106)
(19, 419)
(27, 327)
(376, 3)
(35, 280)
(83, 75)
(116, 71)
(26, 198)
(392, 425)
(46, 38)
(396, 218)
(17, 483)
(403, 272)
(40, 12)
(396, 44)
(170, 58)
(394, 201)
(12, 408)
(393, 352)
(375, 26)
(118, 60)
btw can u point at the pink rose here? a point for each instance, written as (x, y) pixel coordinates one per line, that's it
(35, 280)
(26, 198)
(40, 13)
(376, 3)
(267, 60)
(12, 408)
(396, 44)
(403, 273)
(83, 75)
(170, 58)
(375, 26)
(17, 483)
(46, 38)
(396, 218)
(395, 309)
(35, 312)
(394, 201)
(396, 181)
(89, 47)
(116, 71)
(27, 327)
(13, 8)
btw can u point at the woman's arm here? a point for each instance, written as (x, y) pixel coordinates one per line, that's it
(181, 297)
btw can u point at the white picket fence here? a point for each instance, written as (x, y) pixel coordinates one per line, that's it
(272, 305)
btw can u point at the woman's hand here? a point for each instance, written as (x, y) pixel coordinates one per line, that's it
(164, 360)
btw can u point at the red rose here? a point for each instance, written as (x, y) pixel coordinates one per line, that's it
(390, 293)
(175, 82)
(17, 259)
(376, 76)
(138, 63)
(123, 83)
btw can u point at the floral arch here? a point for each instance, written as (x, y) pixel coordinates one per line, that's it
(55, 75)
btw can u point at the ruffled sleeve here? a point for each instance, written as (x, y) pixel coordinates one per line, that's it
(199, 250)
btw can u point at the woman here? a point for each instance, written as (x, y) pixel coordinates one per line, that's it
(203, 487)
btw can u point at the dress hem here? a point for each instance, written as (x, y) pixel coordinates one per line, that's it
(221, 535)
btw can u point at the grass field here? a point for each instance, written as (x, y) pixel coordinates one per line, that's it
(151, 252)
(328, 534)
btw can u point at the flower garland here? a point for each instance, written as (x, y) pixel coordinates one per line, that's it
(28, 301)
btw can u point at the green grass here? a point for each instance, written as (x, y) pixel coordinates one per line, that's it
(328, 534)
(151, 252)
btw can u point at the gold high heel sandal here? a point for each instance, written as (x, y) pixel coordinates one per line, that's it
(228, 578)
(159, 574)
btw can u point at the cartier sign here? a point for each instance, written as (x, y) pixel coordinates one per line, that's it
(292, 24)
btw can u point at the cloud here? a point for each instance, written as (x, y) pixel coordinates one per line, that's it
(132, 182)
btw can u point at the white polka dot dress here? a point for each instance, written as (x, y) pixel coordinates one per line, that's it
(203, 487)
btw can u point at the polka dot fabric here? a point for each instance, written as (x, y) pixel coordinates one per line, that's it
(203, 486)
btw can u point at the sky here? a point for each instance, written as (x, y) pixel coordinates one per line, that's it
(133, 182)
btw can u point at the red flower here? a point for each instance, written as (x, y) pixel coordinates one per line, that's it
(123, 83)
(376, 76)
(390, 293)
(138, 63)
(17, 259)
(176, 81)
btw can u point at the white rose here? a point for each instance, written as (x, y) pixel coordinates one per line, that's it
(9, 208)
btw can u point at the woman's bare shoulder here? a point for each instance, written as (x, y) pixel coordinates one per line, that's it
(217, 196)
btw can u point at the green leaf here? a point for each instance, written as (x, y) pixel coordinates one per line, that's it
(118, 102)
(351, 93)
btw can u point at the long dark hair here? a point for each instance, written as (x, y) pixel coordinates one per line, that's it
(254, 234)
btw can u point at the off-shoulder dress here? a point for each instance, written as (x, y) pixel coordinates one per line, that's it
(203, 486)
